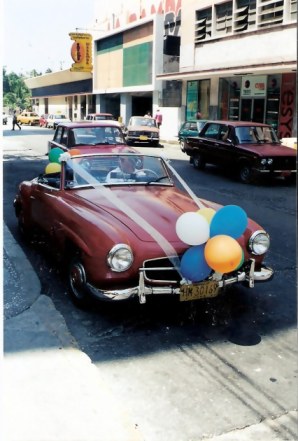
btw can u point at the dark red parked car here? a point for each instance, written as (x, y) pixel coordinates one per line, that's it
(88, 136)
(250, 149)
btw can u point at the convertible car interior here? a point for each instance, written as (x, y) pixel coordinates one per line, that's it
(106, 169)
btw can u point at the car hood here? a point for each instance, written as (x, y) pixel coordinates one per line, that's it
(158, 206)
(267, 150)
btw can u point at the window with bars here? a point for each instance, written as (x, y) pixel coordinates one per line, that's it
(203, 25)
(244, 15)
(223, 23)
(270, 12)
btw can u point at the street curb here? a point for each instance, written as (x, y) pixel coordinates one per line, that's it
(21, 285)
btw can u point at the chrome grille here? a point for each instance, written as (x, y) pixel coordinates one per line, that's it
(160, 270)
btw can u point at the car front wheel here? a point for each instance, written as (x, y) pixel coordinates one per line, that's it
(199, 162)
(182, 145)
(77, 283)
(245, 173)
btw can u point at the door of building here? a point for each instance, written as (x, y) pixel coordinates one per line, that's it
(252, 109)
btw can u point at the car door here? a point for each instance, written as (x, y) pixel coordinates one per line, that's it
(225, 148)
(208, 145)
(43, 202)
(59, 139)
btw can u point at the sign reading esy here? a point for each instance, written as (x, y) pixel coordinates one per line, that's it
(81, 52)
(253, 86)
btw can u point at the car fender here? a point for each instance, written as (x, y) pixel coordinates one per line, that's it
(93, 234)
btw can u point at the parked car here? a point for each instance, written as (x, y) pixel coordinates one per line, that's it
(190, 128)
(88, 136)
(30, 118)
(142, 129)
(99, 116)
(115, 229)
(54, 119)
(43, 120)
(103, 116)
(250, 149)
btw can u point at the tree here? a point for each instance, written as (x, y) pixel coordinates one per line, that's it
(15, 92)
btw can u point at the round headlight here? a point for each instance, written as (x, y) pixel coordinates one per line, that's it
(259, 242)
(270, 161)
(120, 258)
(263, 161)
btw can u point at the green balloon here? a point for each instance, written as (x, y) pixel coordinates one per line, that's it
(54, 154)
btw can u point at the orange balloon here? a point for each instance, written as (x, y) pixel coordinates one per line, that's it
(74, 152)
(223, 253)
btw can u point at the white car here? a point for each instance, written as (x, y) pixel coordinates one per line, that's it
(55, 118)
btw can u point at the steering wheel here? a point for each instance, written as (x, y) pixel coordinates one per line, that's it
(85, 163)
(148, 173)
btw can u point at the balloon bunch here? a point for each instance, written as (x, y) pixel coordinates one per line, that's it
(212, 236)
(55, 158)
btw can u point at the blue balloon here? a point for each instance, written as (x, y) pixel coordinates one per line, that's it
(230, 220)
(193, 264)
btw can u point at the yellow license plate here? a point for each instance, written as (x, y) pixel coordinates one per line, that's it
(143, 138)
(203, 290)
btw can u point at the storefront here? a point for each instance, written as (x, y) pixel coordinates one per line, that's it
(267, 99)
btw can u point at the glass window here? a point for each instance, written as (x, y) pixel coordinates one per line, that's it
(270, 12)
(223, 23)
(203, 25)
(245, 15)
(212, 131)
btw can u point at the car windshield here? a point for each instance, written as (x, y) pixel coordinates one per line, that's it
(140, 121)
(116, 169)
(95, 136)
(256, 134)
(59, 116)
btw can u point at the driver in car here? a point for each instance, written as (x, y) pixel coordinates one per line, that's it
(126, 171)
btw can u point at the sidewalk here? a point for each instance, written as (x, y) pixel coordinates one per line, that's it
(52, 391)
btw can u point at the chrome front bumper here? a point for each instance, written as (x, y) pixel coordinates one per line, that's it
(248, 277)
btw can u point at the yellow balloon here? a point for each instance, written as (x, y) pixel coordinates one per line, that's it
(207, 213)
(223, 253)
(52, 167)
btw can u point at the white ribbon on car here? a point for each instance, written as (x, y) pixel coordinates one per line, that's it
(185, 186)
(132, 214)
(139, 220)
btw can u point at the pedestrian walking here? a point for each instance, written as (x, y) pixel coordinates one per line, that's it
(199, 115)
(158, 118)
(15, 120)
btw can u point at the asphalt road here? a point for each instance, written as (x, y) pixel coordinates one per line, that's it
(186, 370)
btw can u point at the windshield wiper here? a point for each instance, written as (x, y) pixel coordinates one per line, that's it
(157, 179)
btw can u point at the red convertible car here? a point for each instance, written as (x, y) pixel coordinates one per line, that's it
(114, 220)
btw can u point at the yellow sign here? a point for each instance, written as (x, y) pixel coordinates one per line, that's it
(81, 52)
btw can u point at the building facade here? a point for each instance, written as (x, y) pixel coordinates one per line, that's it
(230, 60)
